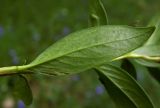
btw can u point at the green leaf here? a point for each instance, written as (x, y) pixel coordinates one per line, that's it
(150, 85)
(85, 49)
(155, 38)
(20, 89)
(152, 46)
(88, 48)
(122, 88)
(147, 63)
(148, 50)
(98, 14)
(149, 54)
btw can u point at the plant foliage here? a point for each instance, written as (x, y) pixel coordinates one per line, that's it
(98, 48)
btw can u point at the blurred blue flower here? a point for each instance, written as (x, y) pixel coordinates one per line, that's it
(14, 56)
(21, 104)
(99, 90)
(1, 31)
(66, 31)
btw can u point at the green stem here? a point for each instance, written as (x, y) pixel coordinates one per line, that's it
(8, 70)
(157, 59)
(12, 70)
(132, 55)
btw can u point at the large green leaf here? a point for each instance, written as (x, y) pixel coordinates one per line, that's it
(20, 89)
(98, 14)
(85, 49)
(88, 48)
(122, 88)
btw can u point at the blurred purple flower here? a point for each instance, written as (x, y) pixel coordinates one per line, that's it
(66, 30)
(14, 56)
(99, 90)
(21, 104)
(1, 31)
(75, 78)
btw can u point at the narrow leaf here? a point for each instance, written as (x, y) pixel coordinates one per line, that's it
(88, 48)
(155, 38)
(152, 46)
(150, 85)
(122, 88)
(85, 49)
(98, 14)
(148, 63)
(148, 50)
(149, 55)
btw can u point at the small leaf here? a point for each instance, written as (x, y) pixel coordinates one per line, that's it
(88, 48)
(148, 63)
(149, 54)
(20, 89)
(98, 14)
(122, 88)
(152, 46)
(148, 50)
(155, 38)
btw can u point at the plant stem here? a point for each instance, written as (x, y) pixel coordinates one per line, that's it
(8, 70)
(132, 55)
(157, 59)
(12, 69)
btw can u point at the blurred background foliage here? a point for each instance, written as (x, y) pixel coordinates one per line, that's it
(27, 27)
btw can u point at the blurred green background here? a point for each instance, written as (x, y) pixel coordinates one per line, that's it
(27, 27)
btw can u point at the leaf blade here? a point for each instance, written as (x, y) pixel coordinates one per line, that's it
(98, 14)
(132, 94)
(148, 50)
(88, 48)
(155, 38)
(149, 55)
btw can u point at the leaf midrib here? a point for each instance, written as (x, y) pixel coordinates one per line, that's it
(35, 63)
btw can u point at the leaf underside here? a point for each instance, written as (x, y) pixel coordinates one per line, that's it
(92, 48)
(88, 48)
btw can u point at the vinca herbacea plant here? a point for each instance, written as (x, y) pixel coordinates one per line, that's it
(103, 48)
